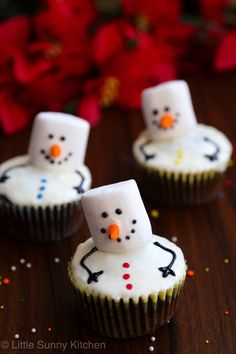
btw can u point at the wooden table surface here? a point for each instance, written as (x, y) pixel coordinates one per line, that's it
(42, 297)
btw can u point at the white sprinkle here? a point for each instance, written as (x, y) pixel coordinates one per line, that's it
(153, 339)
(151, 349)
(13, 268)
(56, 259)
(28, 265)
(22, 261)
(16, 336)
(174, 239)
(33, 330)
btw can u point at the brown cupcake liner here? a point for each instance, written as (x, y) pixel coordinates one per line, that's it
(127, 319)
(41, 224)
(179, 189)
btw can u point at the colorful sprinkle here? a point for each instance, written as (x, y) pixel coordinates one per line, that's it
(33, 330)
(13, 268)
(125, 265)
(153, 339)
(126, 276)
(17, 336)
(154, 213)
(207, 341)
(191, 273)
(28, 265)
(129, 286)
(57, 260)
(226, 313)
(151, 348)
(22, 261)
(49, 329)
(180, 156)
(2, 307)
(226, 261)
(6, 281)
(207, 269)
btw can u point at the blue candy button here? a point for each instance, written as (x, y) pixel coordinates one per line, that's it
(39, 196)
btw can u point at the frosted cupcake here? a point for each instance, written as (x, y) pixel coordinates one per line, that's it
(128, 280)
(40, 192)
(179, 162)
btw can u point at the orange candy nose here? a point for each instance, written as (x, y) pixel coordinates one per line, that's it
(114, 231)
(167, 121)
(55, 151)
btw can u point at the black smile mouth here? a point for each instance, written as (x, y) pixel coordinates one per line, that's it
(55, 161)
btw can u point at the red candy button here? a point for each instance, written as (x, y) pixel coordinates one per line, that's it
(126, 276)
(129, 286)
(125, 265)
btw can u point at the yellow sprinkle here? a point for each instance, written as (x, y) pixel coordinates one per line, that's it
(207, 269)
(180, 156)
(2, 307)
(226, 260)
(155, 213)
(207, 341)
(230, 163)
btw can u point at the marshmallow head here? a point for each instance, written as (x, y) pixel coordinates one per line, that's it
(58, 141)
(116, 217)
(168, 110)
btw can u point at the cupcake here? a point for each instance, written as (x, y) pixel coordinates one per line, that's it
(40, 192)
(178, 161)
(128, 280)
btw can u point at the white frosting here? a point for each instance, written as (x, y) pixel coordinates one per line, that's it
(118, 207)
(58, 142)
(168, 110)
(29, 185)
(186, 154)
(145, 277)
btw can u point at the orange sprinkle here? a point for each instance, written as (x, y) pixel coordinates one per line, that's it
(6, 281)
(191, 273)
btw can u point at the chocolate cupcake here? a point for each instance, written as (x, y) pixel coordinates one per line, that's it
(128, 280)
(40, 192)
(178, 162)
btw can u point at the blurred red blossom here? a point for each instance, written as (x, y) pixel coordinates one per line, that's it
(64, 53)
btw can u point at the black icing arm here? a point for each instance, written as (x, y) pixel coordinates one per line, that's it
(167, 269)
(93, 276)
(79, 188)
(4, 177)
(215, 155)
(142, 149)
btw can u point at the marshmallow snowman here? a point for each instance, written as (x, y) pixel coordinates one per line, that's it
(168, 110)
(58, 142)
(116, 217)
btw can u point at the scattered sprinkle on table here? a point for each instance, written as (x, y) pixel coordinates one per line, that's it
(33, 330)
(207, 341)
(174, 239)
(226, 260)
(28, 265)
(207, 269)
(226, 313)
(191, 273)
(22, 261)
(49, 329)
(154, 213)
(2, 307)
(153, 339)
(16, 336)
(151, 348)
(56, 259)
(13, 268)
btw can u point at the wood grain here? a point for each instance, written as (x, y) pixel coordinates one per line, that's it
(42, 296)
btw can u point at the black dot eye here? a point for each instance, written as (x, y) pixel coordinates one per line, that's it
(118, 211)
(62, 138)
(166, 109)
(50, 136)
(132, 231)
(127, 237)
(118, 240)
(134, 221)
(103, 231)
(104, 214)
(155, 112)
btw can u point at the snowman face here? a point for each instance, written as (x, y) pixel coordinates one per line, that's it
(168, 110)
(58, 141)
(116, 217)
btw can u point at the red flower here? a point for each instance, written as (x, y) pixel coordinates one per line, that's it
(226, 53)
